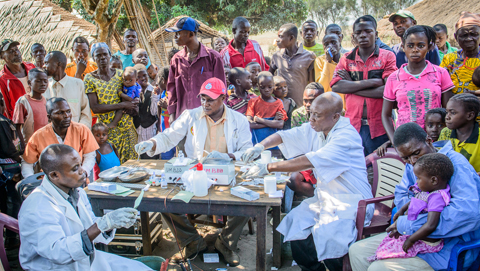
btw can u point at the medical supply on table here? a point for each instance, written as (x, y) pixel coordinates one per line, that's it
(220, 169)
(112, 173)
(140, 197)
(244, 193)
(184, 196)
(269, 184)
(136, 186)
(134, 175)
(200, 181)
(173, 171)
(102, 187)
(266, 157)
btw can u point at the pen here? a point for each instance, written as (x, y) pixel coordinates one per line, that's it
(201, 71)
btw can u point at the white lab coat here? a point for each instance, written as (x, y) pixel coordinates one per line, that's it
(50, 234)
(339, 167)
(236, 128)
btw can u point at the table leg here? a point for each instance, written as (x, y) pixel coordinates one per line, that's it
(261, 239)
(146, 238)
(277, 243)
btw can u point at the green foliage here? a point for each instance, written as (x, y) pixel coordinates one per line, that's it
(264, 15)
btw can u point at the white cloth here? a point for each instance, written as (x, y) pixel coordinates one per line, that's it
(73, 90)
(189, 124)
(50, 230)
(339, 167)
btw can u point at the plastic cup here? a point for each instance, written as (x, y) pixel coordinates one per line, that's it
(266, 157)
(269, 184)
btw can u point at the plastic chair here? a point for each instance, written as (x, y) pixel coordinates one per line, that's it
(387, 173)
(9, 223)
(27, 185)
(457, 256)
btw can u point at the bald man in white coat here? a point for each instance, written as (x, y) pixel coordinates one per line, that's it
(322, 227)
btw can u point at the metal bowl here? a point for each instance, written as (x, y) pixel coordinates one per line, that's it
(134, 175)
(112, 173)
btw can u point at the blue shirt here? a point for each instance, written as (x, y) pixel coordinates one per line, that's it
(433, 56)
(459, 221)
(382, 45)
(127, 60)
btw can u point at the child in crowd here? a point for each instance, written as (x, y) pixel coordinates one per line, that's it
(261, 110)
(130, 91)
(152, 71)
(432, 194)
(116, 63)
(219, 43)
(239, 78)
(148, 110)
(30, 112)
(462, 128)
(162, 108)
(428, 84)
(107, 155)
(254, 69)
(476, 80)
(302, 114)
(435, 122)
(280, 91)
(443, 45)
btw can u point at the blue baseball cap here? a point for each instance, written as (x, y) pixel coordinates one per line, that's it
(185, 23)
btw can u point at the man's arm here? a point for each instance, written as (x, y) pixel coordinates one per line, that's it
(89, 161)
(218, 69)
(172, 136)
(243, 138)
(346, 86)
(387, 118)
(295, 165)
(27, 169)
(272, 141)
(311, 72)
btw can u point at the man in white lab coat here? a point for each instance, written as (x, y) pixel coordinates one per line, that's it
(223, 133)
(57, 226)
(322, 227)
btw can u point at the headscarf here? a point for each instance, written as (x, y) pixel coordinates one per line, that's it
(97, 45)
(467, 19)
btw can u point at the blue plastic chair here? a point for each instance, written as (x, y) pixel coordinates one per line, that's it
(457, 256)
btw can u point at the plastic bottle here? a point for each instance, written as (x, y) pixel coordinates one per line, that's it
(200, 181)
(181, 156)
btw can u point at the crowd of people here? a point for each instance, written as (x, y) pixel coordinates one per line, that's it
(318, 106)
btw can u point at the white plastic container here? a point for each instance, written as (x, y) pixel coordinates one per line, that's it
(266, 157)
(200, 181)
(269, 184)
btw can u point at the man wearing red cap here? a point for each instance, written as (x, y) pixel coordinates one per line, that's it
(220, 131)
(190, 67)
(14, 75)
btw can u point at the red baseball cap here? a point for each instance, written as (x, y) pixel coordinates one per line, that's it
(213, 88)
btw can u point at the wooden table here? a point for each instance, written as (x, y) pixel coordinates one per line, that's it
(216, 203)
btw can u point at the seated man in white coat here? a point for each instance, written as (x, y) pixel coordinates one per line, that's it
(322, 227)
(57, 225)
(223, 133)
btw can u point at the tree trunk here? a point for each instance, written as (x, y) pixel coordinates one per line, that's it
(105, 33)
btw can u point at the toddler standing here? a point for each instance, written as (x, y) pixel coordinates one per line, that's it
(107, 155)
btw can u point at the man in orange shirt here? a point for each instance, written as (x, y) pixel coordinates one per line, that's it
(81, 65)
(60, 130)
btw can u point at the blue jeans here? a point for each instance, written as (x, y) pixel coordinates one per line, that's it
(371, 144)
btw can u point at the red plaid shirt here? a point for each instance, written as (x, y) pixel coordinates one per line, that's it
(380, 64)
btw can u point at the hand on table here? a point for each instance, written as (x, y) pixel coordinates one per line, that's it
(252, 153)
(257, 171)
(120, 218)
(144, 147)
(219, 155)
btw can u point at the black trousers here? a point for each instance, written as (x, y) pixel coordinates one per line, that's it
(305, 254)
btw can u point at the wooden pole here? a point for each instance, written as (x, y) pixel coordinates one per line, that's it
(161, 32)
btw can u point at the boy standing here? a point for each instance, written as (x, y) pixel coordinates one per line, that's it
(254, 69)
(309, 34)
(238, 100)
(81, 65)
(443, 45)
(403, 20)
(302, 115)
(361, 75)
(292, 62)
(462, 128)
(30, 110)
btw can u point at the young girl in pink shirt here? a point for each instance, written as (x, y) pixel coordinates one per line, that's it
(416, 86)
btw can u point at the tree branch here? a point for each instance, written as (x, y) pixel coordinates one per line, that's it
(100, 11)
(116, 12)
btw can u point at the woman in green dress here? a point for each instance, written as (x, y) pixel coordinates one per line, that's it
(102, 88)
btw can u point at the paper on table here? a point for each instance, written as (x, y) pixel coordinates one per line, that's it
(185, 196)
(276, 194)
(124, 194)
(139, 199)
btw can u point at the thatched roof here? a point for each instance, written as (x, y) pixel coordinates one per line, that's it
(431, 12)
(44, 22)
(206, 37)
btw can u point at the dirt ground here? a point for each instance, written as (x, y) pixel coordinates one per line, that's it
(246, 250)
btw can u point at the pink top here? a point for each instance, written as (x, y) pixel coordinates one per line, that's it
(415, 96)
(427, 202)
